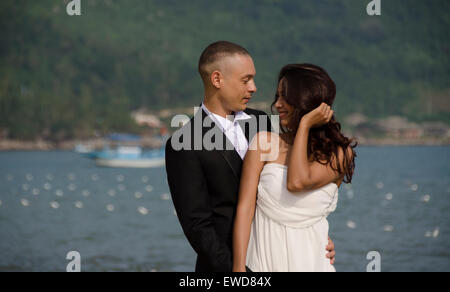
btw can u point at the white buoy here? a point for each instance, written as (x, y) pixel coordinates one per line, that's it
(49, 177)
(351, 224)
(350, 194)
(426, 198)
(79, 204)
(389, 196)
(26, 187)
(428, 234)
(110, 207)
(414, 187)
(380, 185)
(35, 192)
(59, 193)
(138, 195)
(436, 232)
(85, 193)
(165, 197)
(54, 205)
(143, 210)
(25, 202)
(120, 178)
(47, 186)
(112, 193)
(71, 187)
(388, 228)
(149, 188)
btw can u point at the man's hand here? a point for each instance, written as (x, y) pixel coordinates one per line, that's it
(331, 253)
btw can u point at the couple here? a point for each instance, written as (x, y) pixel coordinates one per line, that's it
(245, 207)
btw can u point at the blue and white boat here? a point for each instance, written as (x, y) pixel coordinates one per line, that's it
(131, 157)
(126, 154)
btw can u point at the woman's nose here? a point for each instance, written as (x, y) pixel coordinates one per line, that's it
(278, 104)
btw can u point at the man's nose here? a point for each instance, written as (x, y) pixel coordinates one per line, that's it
(253, 87)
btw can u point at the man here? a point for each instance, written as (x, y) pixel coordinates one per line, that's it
(204, 180)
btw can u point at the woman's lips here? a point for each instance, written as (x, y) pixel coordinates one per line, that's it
(282, 114)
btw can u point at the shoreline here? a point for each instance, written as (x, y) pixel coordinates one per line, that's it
(69, 145)
(42, 145)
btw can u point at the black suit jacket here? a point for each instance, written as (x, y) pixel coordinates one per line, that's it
(204, 185)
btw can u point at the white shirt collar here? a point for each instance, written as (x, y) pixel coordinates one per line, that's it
(237, 117)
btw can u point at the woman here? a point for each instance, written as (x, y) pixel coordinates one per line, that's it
(289, 195)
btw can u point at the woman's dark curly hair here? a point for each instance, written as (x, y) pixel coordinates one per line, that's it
(305, 87)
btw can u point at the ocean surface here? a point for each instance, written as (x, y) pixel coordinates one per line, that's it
(52, 203)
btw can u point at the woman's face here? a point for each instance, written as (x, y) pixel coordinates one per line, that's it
(284, 109)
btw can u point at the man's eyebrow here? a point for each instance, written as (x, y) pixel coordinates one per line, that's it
(248, 76)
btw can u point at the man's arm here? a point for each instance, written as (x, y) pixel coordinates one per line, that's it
(190, 196)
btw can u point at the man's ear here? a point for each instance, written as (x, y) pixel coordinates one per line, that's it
(216, 79)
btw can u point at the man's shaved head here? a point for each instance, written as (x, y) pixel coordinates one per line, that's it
(213, 56)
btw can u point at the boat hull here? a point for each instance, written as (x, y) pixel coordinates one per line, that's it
(130, 163)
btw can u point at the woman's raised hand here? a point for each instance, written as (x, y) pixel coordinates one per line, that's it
(318, 117)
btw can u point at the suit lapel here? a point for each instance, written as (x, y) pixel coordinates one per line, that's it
(231, 157)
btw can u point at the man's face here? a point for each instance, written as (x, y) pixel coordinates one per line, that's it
(238, 82)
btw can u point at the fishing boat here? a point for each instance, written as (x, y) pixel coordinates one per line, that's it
(123, 150)
(131, 157)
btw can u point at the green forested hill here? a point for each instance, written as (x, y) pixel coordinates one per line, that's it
(63, 76)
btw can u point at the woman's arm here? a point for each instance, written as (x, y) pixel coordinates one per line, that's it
(253, 165)
(304, 175)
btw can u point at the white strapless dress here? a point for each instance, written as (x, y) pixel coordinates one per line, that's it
(289, 232)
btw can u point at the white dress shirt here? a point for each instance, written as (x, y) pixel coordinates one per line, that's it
(232, 129)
